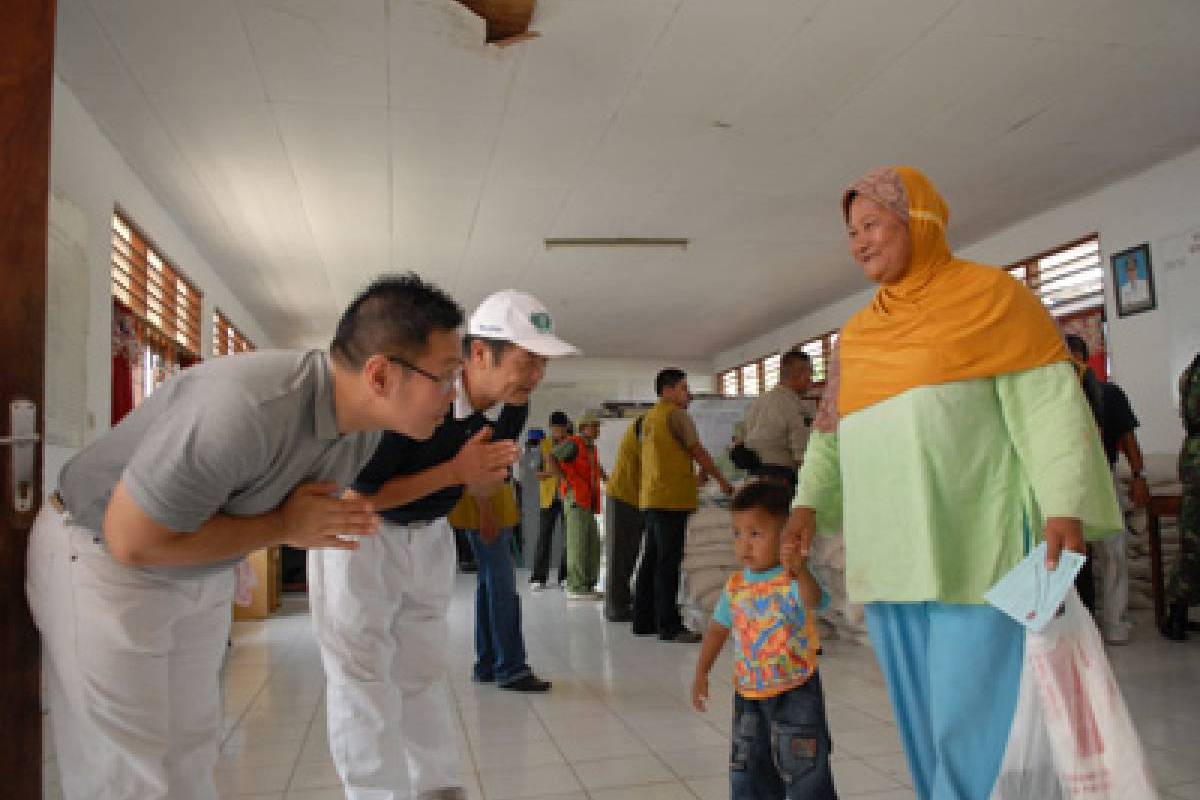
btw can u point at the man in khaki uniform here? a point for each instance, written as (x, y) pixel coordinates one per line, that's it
(778, 422)
(667, 496)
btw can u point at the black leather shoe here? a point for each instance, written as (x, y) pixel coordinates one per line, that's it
(529, 683)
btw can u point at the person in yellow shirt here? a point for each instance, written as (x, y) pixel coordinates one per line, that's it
(551, 507)
(667, 495)
(623, 524)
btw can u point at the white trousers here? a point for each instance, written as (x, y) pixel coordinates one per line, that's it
(379, 613)
(1112, 577)
(131, 668)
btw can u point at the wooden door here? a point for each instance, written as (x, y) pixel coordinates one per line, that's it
(26, 84)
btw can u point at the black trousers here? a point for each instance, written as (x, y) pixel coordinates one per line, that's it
(518, 534)
(655, 596)
(548, 518)
(623, 526)
(1085, 584)
(465, 556)
(784, 476)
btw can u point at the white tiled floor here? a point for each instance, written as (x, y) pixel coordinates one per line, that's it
(618, 724)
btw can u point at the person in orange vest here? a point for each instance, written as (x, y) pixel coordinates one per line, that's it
(580, 490)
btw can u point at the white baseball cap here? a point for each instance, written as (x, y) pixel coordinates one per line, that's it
(520, 318)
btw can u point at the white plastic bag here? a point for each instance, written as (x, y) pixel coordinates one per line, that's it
(1072, 736)
(244, 582)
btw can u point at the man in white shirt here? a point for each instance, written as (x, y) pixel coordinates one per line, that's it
(1134, 291)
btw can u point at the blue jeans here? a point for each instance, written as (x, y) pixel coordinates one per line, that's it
(499, 643)
(781, 746)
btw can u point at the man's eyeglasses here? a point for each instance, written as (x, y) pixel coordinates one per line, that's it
(445, 384)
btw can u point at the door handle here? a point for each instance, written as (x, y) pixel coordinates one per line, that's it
(23, 438)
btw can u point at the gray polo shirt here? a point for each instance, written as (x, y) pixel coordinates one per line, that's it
(233, 435)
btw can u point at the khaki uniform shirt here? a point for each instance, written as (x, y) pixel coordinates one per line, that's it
(777, 427)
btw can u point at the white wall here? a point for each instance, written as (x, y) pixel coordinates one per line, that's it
(1148, 349)
(577, 384)
(89, 174)
(1152, 206)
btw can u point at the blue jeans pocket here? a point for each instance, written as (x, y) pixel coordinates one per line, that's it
(796, 749)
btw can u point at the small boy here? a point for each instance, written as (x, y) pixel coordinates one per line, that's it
(781, 741)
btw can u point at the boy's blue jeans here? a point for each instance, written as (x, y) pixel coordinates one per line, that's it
(781, 746)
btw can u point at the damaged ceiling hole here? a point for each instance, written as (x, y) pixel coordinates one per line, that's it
(507, 20)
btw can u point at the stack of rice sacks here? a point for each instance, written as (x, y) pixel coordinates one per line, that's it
(708, 560)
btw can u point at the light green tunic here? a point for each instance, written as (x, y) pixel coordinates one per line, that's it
(936, 488)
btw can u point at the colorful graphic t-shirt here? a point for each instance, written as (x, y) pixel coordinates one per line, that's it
(775, 642)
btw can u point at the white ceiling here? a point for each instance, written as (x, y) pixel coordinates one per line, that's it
(307, 145)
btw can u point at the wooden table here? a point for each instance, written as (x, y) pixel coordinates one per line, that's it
(1161, 505)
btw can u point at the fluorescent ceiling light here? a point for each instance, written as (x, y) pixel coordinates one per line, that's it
(618, 241)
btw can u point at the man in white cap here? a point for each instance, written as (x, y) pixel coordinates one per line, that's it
(380, 613)
(131, 562)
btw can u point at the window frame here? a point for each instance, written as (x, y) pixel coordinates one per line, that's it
(163, 307)
(1031, 277)
(165, 304)
(1076, 318)
(228, 339)
(827, 340)
(736, 375)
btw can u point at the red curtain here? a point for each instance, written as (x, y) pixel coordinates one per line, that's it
(124, 350)
(1089, 325)
(122, 387)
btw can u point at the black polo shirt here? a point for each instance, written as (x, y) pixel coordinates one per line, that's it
(398, 454)
(1116, 419)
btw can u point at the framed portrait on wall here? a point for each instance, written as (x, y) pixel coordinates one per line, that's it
(1133, 280)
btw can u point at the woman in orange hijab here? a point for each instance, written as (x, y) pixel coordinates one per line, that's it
(954, 436)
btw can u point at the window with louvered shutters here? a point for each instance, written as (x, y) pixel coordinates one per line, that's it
(820, 350)
(1069, 280)
(227, 339)
(153, 289)
(162, 305)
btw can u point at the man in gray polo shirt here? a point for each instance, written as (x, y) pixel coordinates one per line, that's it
(130, 578)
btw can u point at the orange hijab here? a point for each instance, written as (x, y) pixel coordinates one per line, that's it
(946, 319)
